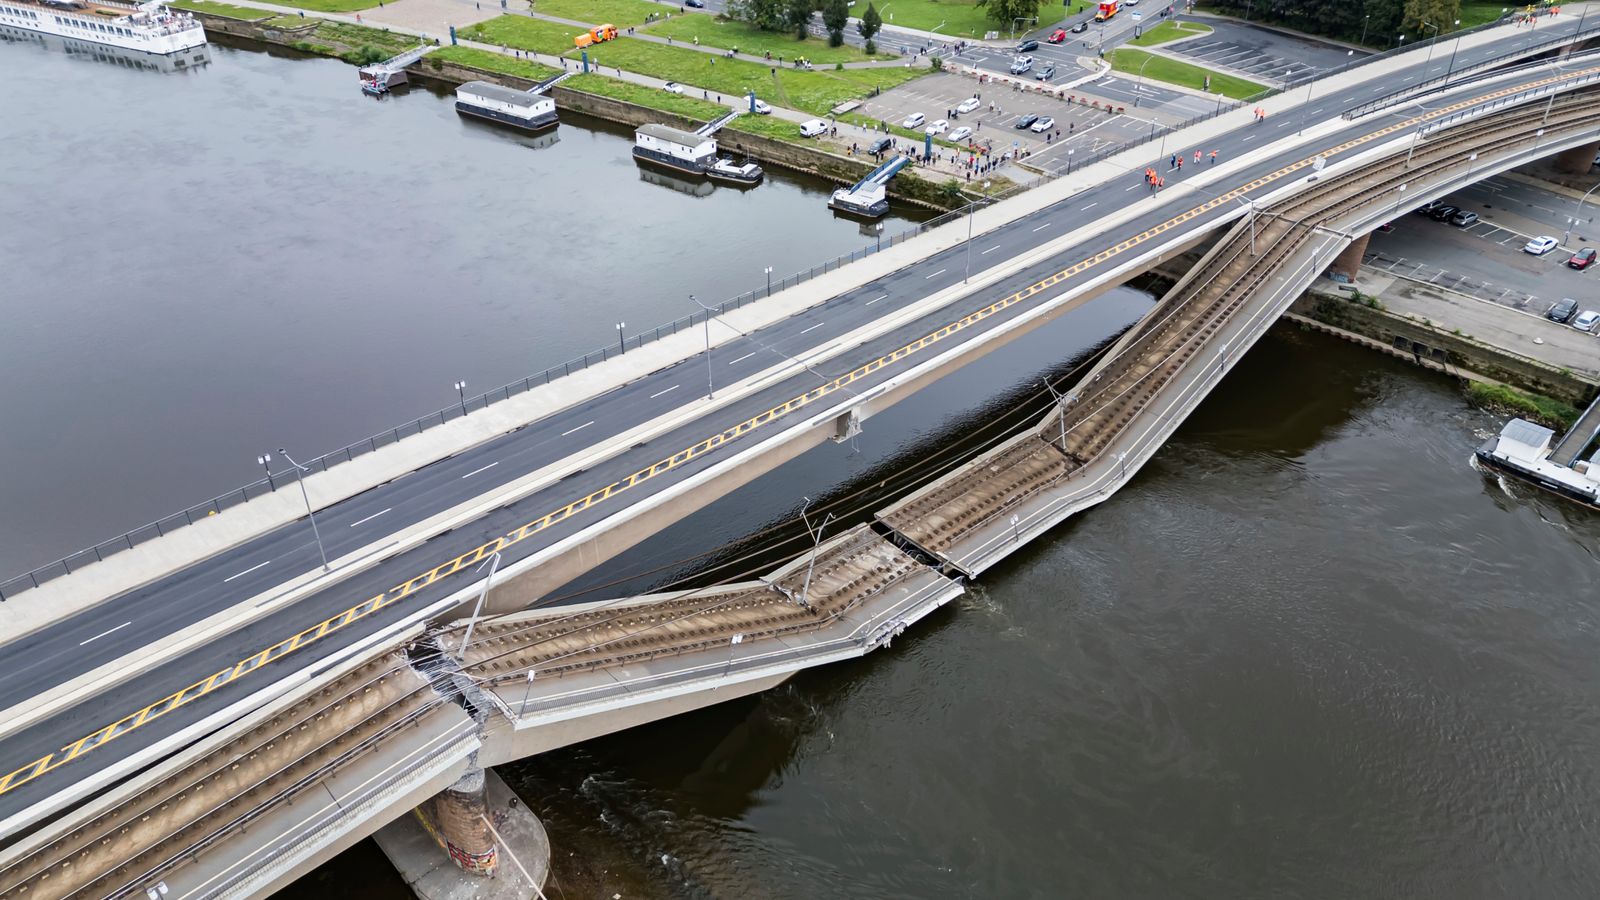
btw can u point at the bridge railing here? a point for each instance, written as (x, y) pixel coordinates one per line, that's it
(132, 538)
(1406, 93)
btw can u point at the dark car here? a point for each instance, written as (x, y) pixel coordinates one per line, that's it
(1081, 27)
(1582, 259)
(1562, 311)
(1027, 46)
(1026, 121)
(1443, 213)
(695, 4)
(1464, 218)
(1427, 209)
(880, 145)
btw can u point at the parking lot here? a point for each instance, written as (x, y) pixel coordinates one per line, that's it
(1083, 129)
(1259, 53)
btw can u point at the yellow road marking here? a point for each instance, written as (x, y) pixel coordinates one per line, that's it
(52, 761)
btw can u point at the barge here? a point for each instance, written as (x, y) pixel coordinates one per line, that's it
(691, 153)
(1522, 451)
(508, 106)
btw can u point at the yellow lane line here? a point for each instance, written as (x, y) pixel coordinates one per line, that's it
(165, 705)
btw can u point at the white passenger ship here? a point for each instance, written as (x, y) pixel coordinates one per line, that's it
(146, 28)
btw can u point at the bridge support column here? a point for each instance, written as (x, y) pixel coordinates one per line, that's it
(457, 819)
(1578, 160)
(1348, 262)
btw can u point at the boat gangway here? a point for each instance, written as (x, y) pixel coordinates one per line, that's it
(711, 128)
(392, 71)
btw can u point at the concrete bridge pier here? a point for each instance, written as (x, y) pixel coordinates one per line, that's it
(457, 818)
(1348, 262)
(1577, 160)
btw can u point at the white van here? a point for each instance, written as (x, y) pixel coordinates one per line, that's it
(813, 128)
(914, 120)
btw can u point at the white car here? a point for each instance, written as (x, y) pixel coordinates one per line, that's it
(961, 134)
(914, 120)
(672, 87)
(762, 108)
(967, 105)
(1043, 125)
(813, 128)
(1539, 246)
(1586, 320)
(939, 127)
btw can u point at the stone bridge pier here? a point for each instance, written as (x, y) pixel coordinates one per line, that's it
(1348, 262)
(1578, 160)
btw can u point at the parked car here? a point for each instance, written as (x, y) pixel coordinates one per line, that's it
(1539, 246)
(695, 4)
(1025, 121)
(880, 145)
(1027, 46)
(961, 134)
(1046, 73)
(1563, 311)
(1464, 219)
(1582, 259)
(672, 87)
(1021, 64)
(813, 128)
(1586, 320)
(1057, 36)
(1443, 213)
(914, 120)
(939, 127)
(1427, 209)
(1043, 125)
(967, 105)
(762, 108)
(1081, 27)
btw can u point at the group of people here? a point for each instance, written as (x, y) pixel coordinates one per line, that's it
(1156, 181)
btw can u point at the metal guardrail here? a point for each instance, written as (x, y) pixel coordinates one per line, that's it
(15, 585)
(1517, 99)
(1415, 90)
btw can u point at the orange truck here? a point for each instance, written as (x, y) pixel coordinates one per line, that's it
(596, 35)
(1107, 9)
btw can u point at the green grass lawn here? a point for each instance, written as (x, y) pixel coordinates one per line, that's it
(1477, 13)
(960, 18)
(493, 62)
(390, 43)
(620, 13)
(688, 107)
(287, 23)
(1171, 71)
(524, 33)
(334, 6)
(729, 35)
(815, 91)
(223, 9)
(1169, 31)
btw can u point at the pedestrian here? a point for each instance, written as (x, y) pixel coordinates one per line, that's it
(1172, 163)
(1197, 156)
(1213, 157)
(1180, 164)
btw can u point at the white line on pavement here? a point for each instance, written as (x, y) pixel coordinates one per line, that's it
(497, 462)
(369, 518)
(876, 299)
(1090, 206)
(245, 572)
(991, 249)
(924, 278)
(820, 324)
(579, 428)
(663, 393)
(742, 358)
(104, 633)
(1042, 227)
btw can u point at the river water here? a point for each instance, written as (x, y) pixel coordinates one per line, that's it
(1308, 652)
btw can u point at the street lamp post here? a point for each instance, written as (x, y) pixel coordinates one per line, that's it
(1061, 410)
(879, 229)
(1577, 214)
(1310, 83)
(307, 498)
(710, 389)
(769, 281)
(1452, 67)
(1139, 88)
(1069, 160)
(1250, 204)
(622, 342)
(461, 392)
(1365, 20)
(1431, 44)
(816, 544)
(265, 460)
(493, 563)
(971, 206)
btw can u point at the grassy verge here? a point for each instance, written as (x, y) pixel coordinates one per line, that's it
(367, 44)
(814, 92)
(493, 62)
(1477, 13)
(287, 22)
(525, 33)
(767, 126)
(223, 9)
(1169, 31)
(688, 107)
(957, 18)
(1544, 410)
(620, 13)
(731, 35)
(1172, 71)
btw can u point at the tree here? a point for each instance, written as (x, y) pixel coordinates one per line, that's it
(764, 14)
(836, 15)
(797, 15)
(1437, 14)
(871, 23)
(1005, 12)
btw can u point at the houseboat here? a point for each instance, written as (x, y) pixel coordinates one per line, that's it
(1522, 451)
(509, 106)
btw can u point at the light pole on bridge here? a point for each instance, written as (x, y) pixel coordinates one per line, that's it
(301, 477)
(710, 387)
(971, 206)
(461, 392)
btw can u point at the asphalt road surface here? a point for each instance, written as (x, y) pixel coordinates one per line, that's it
(151, 614)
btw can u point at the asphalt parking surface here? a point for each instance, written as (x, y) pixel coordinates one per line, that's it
(1260, 53)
